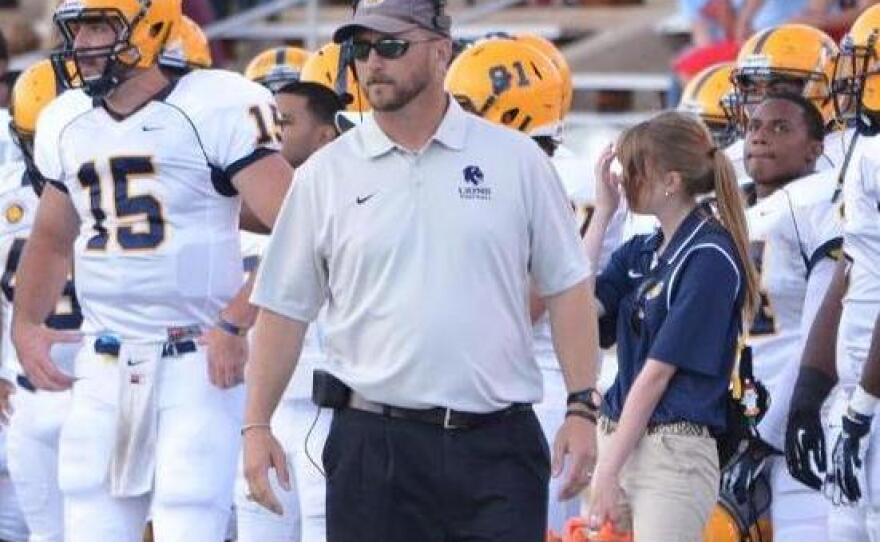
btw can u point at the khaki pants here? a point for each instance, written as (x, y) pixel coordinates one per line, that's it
(670, 486)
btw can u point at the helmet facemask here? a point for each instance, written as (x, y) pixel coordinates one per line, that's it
(120, 56)
(856, 85)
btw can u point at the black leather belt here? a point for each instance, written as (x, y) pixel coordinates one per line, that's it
(111, 348)
(444, 417)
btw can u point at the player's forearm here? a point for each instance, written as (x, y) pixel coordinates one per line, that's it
(276, 342)
(820, 351)
(573, 324)
(46, 261)
(40, 279)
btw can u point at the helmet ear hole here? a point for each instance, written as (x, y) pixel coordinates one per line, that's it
(156, 29)
(510, 115)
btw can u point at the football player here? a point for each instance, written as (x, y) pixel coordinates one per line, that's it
(37, 417)
(144, 191)
(788, 58)
(795, 235)
(331, 66)
(838, 346)
(306, 115)
(277, 67)
(710, 96)
(512, 83)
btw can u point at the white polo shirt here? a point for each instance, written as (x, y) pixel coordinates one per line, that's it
(424, 261)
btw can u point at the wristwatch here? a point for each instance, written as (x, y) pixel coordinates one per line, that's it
(590, 398)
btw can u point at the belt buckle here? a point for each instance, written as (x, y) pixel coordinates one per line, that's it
(447, 420)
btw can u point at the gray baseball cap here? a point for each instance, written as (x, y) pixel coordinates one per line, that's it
(394, 17)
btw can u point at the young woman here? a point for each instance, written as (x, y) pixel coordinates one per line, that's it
(674, 303)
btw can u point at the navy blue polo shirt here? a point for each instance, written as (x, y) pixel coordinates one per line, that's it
(682, 307)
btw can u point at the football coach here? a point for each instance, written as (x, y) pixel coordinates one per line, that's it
(422, 230)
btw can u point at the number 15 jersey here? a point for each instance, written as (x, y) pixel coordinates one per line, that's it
(158, 245)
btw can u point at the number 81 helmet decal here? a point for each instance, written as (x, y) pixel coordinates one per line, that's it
(509, 83)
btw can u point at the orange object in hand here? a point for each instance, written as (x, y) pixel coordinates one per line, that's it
(577, 530)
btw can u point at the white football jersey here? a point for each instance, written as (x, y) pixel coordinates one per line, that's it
(18, 206)
(832, 158)
(158, 246)
(312, 355)
(581, 191)
(8, 150)
(790, 231)
(861, 216)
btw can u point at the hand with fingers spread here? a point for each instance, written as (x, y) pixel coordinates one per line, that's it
(805, 453)
(227, 354)
(33, 344)
(576, 443)
(262, 452)
(846, 484)
(607, 182)
(7, 389)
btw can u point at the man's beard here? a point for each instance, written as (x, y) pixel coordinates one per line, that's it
(394, 96)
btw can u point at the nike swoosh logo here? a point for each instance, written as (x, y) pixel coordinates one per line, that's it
(634, 274)
(362, 200)
(150, 128)
(132, 363)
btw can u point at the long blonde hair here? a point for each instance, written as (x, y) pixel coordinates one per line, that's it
(673, 141)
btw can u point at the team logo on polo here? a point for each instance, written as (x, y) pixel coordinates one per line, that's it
(654, 291)
(472, 178)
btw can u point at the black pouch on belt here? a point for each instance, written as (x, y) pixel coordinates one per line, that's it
(328, 391)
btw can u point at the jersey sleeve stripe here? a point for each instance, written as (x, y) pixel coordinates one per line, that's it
(831, 249)
(240, 164)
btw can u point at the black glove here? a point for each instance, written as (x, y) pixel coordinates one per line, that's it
(804, 438)
(738, 479)
(847, 484)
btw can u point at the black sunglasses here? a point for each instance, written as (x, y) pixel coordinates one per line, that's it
(388, 48)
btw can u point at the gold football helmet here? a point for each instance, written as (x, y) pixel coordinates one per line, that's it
(141, 27)
(329, 67)
(856, 85)
(798, 57)
(35, 88)
(277, 67)
(735, 521)
(509, 83)
(710, 96)
(558, 59)
(187, 47)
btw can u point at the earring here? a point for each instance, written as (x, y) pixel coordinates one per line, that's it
(666, 193)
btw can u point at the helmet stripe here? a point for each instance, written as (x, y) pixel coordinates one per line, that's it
(762, 41)
(703, 80)
(279, 56)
